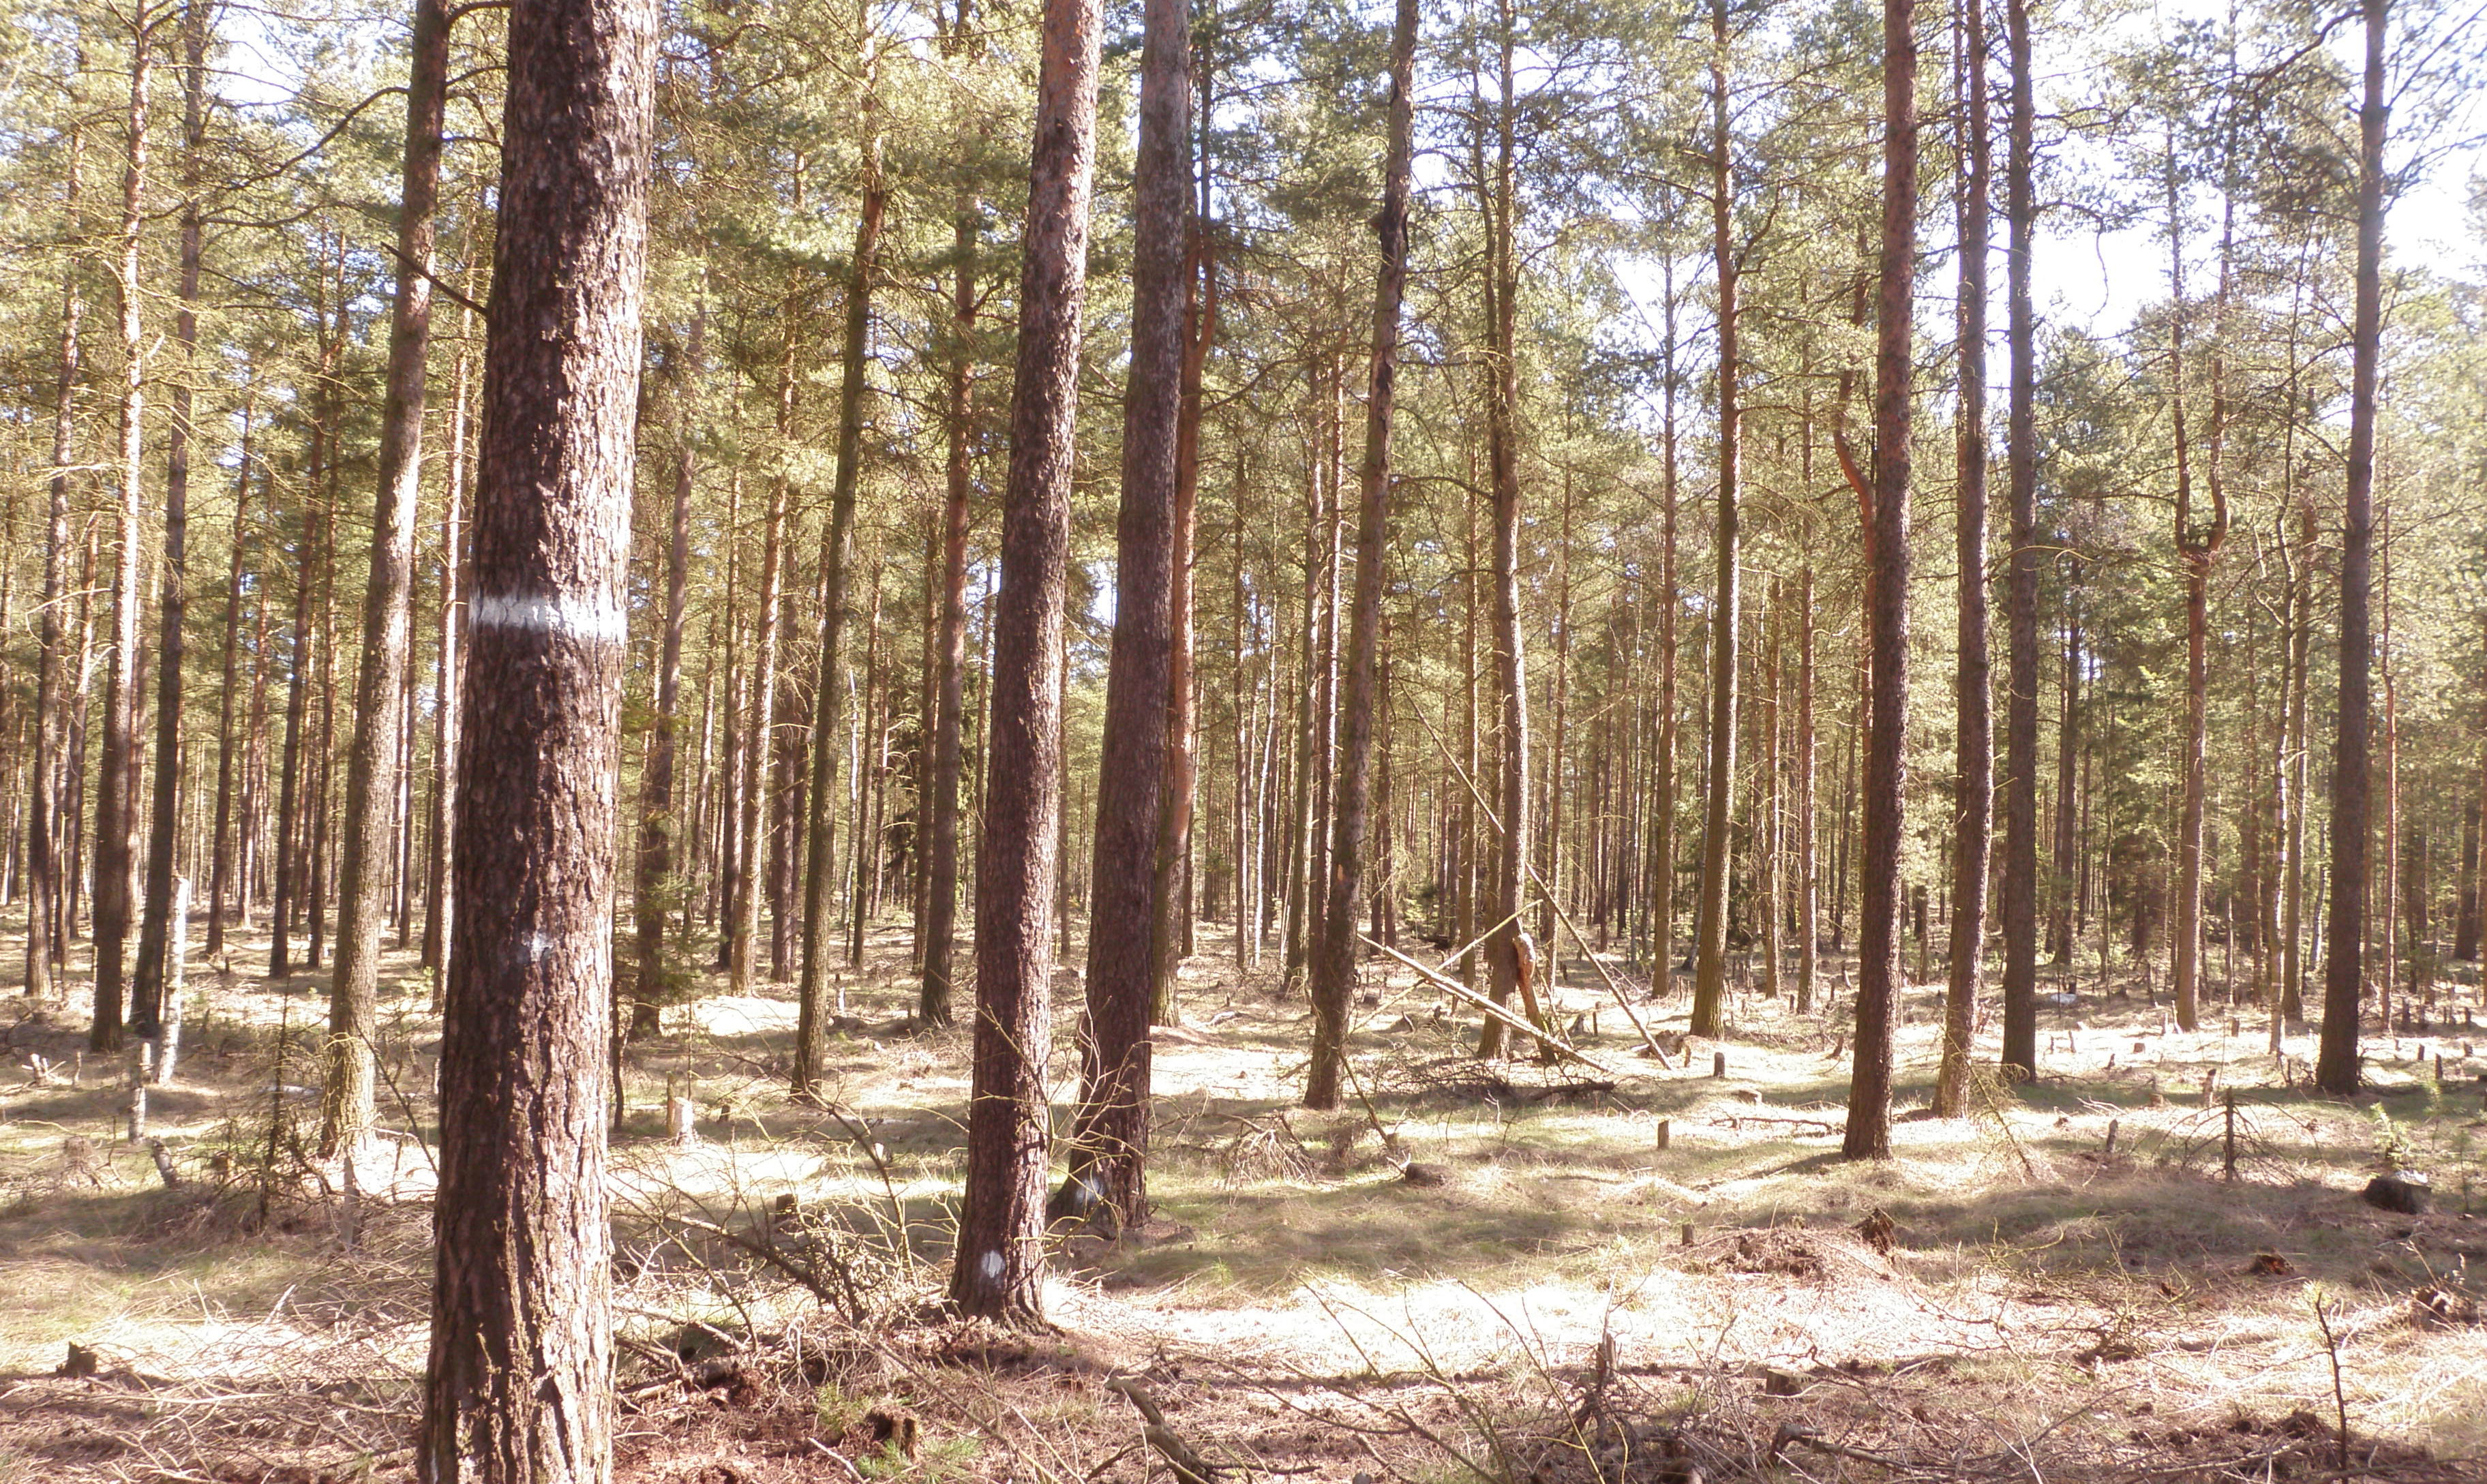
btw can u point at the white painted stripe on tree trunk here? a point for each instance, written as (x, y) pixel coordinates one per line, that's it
(551, 615)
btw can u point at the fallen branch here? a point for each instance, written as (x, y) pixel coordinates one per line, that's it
(1189, 1466)
(1543, 1034)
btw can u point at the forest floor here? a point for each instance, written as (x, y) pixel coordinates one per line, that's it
(2075, 1283)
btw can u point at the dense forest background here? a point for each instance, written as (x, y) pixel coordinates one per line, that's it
(1952, 532)
(205, 219)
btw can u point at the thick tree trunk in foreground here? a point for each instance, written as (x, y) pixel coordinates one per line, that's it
(371, 764)
(1974, 800)
(1109, 1140)
(1334, 976)
(1877, 973)
(519, 1385)
(1710, 925)
(1001, 1262)
(2337, 1068)
(2018, 899)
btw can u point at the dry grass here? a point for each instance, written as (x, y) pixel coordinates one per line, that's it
(2037, 1296)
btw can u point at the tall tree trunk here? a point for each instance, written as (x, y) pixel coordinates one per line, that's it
(317, 517)
(654, 890)
(114, 781)
(1509, 954)
(1109, 1139)
(2196, 551)
(448, 679)
(837, 561)
(2465, 929)
(2337, 1069)
(760, 729)
(519, 1389)
(1170, 935)
(1333, 977)
(1710, 932)
(1670, 608)
(220, 869)
(941, 808)
(45, 928)
(155, 930)
(372, 774)
(1974, 800)
(1807, 866)
(2298, 769)
(2018, 899)
(1000, 1258)
(1878, 976)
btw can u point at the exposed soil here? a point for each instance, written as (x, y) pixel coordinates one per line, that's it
(1495, 1270)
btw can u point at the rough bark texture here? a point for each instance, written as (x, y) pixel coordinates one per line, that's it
(1973, 799)
(1878, 969)
(371, 772)
(2337, 1067)
(520, 1386)
(2018, 898)
(1334, 976)
(1000, 1261)
(1110, 1138)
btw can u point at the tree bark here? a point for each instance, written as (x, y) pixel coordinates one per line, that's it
(837, 561)
(519, 1389)
(2018, 899)
(372, 774)
(1509, 954)
(2337, 1068)
(1170, 934)
(1670, 607)
(148, 985)
(220, 851)
(115, 779)
(1710, 931)
(1110, 1136)
(1333, 977)
(45, 930)
(942, 810)
(1878, 976)
(1974, 800)
(449, 670)
(1001, 1233)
